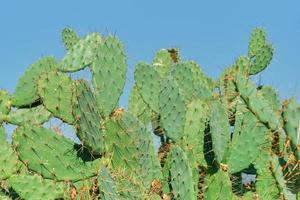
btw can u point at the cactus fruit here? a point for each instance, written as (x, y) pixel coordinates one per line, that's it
(212, 132)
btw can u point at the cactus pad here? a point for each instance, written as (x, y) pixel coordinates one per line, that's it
(57, 91)
(36, 115)
(49, 154)
(69, 37)
(148, 82)
(88, 122)
(107, 186)
(26, 92)
(181, 175)
(81, 54)
(8, 159)
(220, 130)
(35, 187)
(172, 109)
(109, 74)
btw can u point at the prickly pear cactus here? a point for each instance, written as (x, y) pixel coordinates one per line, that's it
(184, 136)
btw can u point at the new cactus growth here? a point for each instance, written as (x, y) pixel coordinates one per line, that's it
(211, 132)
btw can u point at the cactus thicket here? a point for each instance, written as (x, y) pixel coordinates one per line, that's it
(184, 136)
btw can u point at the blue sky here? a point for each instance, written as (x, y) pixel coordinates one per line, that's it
(214, 33)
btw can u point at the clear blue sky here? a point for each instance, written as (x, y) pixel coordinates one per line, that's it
(214, 33)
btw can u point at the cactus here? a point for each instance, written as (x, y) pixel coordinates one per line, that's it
(26, 92)
(36, 115)
(35, 187)
(88, 121)
(107, 185)
(138, 107)
(5, 102)
(109, 74)
(220, 130)
(181, 179)
(218, 186)
(148, 83)
(81, 54)
(211, 131)
(172, 117)
(49, 154)
(57, 92)
(69, 37)
(10, 163)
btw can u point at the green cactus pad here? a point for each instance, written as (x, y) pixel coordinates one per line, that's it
(36, 115)
(88, 121)
(257, 41)
(107, 186)
(8, 158)
(191, 81)
(138, 107)
(172, 109)
(266, 186)
(262, 59)
(136, 139)
(148, 82)
(163, 62)
(220, 130)
(200, 79)
(109, 74)
(81, 54)
(181, 175)
(291, 116)
(197, 116)
(57, 91)
(218, 186)
(5, 102)
(242, 65)
(270, 95)
(227, 85)
(35, 187)
(257, 104)
(49, 154)
(69, 37)
(248, 144)
(26, 92)
(128, 186)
